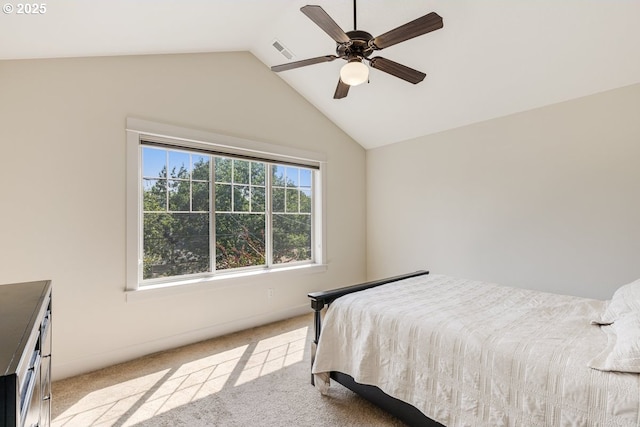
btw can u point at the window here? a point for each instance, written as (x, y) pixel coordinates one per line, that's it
(200, 208)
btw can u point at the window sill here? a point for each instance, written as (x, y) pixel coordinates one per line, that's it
(235, 280)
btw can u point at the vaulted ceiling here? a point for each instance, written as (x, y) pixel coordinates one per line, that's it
(492, 58)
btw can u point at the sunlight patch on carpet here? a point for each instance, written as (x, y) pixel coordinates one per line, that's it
(274, 353)
(108, 403)
(139, 399)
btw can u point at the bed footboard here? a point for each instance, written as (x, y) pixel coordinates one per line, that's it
(324, 298)
(401, 410)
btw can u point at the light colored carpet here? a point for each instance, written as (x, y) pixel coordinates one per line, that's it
(258, 377)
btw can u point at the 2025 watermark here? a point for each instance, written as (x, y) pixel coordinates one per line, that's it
(25, 8)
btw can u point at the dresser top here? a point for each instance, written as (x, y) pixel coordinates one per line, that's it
(20, 304)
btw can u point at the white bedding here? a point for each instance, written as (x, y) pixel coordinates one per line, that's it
(469, 353)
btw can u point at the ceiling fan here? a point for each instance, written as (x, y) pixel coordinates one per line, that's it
(356, 46)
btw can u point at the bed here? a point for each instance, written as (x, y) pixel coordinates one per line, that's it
(440, 351)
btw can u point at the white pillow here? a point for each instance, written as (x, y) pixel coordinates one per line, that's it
(623, 348)
(626, 299)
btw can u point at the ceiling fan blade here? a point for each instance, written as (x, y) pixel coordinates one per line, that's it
(303, 63)
(423, 25)
(398, 70)
(324, 21)
(341, 90)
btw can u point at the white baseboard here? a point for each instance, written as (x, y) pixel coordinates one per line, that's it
(101, 360)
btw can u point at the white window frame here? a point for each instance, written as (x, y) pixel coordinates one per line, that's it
(138, 130)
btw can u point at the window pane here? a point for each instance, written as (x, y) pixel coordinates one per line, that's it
(200, 167)
(241, 172)
(155, 194)
(200, 200)
(179, 196)
(223, 198)
(257, 199)
(291, 238)
(257, 173)
(223, 169)
(154, 162)
(292, 177)
(305, 201)
(278, 175)
(305, 178)
(179, 164)
(292, 200)
(240, 240)
(175, 244)
(278, 200)
(241, 198)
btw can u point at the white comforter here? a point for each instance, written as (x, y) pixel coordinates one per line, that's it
(469, 353)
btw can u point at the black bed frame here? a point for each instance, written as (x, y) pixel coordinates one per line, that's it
(401, 410)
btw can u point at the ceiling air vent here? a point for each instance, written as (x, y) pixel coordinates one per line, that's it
(283, 50)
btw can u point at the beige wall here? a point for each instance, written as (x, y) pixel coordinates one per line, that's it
(547, 199)
(63, 194)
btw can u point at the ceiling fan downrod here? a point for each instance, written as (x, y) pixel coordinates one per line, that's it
(355, 27)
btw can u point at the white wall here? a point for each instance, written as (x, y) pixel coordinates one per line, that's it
(546, 199)
(62, 175)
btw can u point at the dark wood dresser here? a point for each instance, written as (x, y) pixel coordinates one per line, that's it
(25, 354)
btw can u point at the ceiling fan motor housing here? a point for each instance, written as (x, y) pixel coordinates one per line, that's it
(358, 47)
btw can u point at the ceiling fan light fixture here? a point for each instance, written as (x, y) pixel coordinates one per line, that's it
(354, 72)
